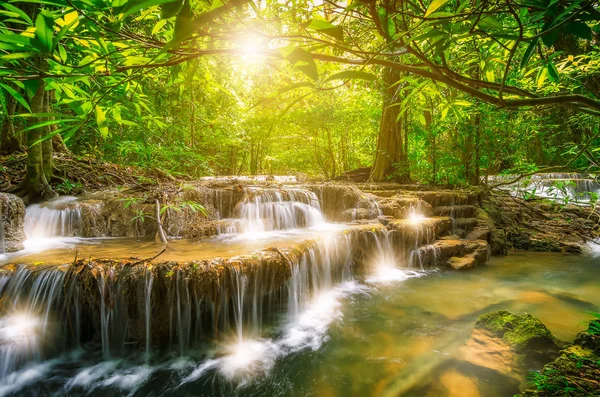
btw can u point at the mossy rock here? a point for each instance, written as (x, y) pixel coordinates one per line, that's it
(575, 373)
(522, 332)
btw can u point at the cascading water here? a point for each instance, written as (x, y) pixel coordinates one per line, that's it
(578, 188)
(245, 311)
(59, 217)
(282, 209)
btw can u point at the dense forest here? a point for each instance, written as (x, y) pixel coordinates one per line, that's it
(433, 92)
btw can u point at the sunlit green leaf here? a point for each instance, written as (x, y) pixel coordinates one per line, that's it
(435, 4)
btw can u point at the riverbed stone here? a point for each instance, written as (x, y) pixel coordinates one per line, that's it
(12, 219)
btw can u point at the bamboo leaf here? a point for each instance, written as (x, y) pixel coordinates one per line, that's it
(552, 72)
(435, 4)
(47, 123)
(18, 97)
(529, 52)
(101, 121)
(44, 24)
(18, 11)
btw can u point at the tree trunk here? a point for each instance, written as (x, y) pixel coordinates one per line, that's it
(47, 153)
(476, 175)
(391, 160)
(9, 143)
(35, 186)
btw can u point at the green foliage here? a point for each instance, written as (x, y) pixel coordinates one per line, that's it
(68, 187)
(197, 87)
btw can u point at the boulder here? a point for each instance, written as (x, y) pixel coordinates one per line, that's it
(524, 333)
(576, 371)
(12, 218)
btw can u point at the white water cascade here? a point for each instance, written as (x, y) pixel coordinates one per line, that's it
(264, 210)
(246, 311)
(59, 217)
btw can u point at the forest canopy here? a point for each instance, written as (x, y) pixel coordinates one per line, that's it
(423, 91)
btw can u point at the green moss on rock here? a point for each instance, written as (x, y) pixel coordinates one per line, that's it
(521, 332)
(575, 373)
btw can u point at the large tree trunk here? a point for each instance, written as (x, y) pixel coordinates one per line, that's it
(47, 152)
(475, 177)
(35, 187)
(9, 143)
(391, 160)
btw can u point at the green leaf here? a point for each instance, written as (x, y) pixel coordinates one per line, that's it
(579, 29)
(44, 24)
(171, 9)
(541, 77)
(529, 52)
(63, 53)
(552, 72)
(18, 97)
(18, 11)
(159, 25)
(46, 123)
(435, 4)
(351, 74)
(549, 38)
(134, 6)
(303, 61)
(325, 27)
(16, 55)
(101, 122)
(489, 23)
(31, 87)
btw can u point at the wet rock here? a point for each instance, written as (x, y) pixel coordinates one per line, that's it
(12, 218)
(456, 211)
(576, 371)
(496, 237)
(336, 199)
(403, 206)
(455, 254)
(447, 198)
(522, 332)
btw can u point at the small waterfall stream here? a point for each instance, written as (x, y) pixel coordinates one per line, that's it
(267, 210)
(248, 311)
(60, 217)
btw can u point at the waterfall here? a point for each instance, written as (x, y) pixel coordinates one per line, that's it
(572, 186)
(27, 322)
(234, 314)
(59, 217)
(282, 209)
(148, 308)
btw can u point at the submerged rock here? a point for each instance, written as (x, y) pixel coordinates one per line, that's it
(12, 218)
(522, 332)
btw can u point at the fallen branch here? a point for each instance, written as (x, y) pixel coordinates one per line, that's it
(160, 232)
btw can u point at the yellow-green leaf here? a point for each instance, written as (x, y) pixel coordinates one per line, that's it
(435, 4)
(101, 121)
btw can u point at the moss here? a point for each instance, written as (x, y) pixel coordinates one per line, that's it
(521, 332)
